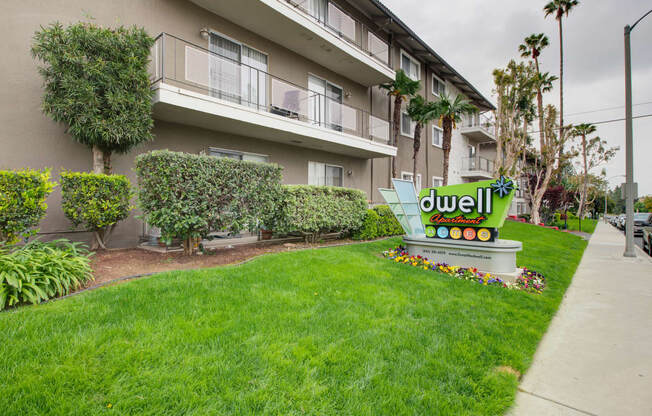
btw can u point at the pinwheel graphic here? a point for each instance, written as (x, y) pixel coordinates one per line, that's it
(503, 186)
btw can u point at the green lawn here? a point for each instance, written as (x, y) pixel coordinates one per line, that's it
(329, 331)
(588, 225)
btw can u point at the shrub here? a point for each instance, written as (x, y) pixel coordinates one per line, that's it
(39, 271)
(389, 225)
(22, 202)
(95, 201)
(378, 222)
(370, 227)
(187, 196)
(320, 209)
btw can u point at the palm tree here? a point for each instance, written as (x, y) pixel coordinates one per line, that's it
(532, 47)
(402, 88)
(583, 130)
(449, 112)
(559, 8)
(421, 112)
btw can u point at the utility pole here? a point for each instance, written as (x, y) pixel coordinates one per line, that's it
(629, 151)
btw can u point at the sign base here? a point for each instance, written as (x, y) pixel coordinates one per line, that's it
(497, 257)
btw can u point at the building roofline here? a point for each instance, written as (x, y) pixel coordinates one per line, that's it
(455, 77)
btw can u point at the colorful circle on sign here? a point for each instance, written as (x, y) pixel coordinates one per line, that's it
(456, 233)
(431, 231)
(484, 234)
(442, 232)
(469, 234)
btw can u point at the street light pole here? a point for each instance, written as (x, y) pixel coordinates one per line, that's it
(629, 151)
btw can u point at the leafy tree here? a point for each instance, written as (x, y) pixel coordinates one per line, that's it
(402, 88)
(559, 9)
(96, 83)
(450, 111)
(593, 153)
(531, 48)
(421, 112)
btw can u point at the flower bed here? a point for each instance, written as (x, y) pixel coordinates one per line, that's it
(529, 280)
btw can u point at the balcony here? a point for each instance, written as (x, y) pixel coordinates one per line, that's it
(477, 168)
(197, 87)
(478, 128)
(317, 30)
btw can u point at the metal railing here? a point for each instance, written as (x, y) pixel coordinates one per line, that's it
(478, 163)
(481, 121)
(195, 68)
(333, 18)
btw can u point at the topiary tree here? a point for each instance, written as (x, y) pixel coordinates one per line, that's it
(22, 202)
(95, 201)
(96, 83)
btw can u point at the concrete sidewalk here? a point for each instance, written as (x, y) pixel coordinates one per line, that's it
(596, 358)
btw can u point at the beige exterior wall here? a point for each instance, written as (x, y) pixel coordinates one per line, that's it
(28, 138)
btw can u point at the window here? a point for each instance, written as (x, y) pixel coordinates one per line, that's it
(437, 181)
(325, 107)
(324, 174)
(407, 125)
(228, 79)
(234, 154)
(408, 176)
(411, 66)
(438, 86)
(437, 134)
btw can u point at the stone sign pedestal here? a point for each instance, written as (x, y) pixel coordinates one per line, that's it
(497, 258)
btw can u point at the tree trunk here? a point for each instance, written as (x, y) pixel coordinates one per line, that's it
(398, 101)
(106, 161)
(585, 182)
(538, 196)
(189, 246)
(98, 160)
(561, 97)
(446, 147)
(416, 147)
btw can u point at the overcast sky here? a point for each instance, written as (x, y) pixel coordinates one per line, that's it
(476, 36)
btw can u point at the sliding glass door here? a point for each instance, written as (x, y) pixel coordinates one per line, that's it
(230, 79)
(325, 103)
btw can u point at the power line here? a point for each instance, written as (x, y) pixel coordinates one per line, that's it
(608, 121)
(606, 109)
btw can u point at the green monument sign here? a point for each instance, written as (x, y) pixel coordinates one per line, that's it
(469, 211)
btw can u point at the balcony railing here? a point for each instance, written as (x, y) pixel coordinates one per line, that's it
(186, 65)
(478, 164)
(329, 15)
(481, 121)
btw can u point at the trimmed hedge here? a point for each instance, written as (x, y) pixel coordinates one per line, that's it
(39, 271)
(378, 222)
(22, 202)
(95, 201)
(187, 196)
(319, 209)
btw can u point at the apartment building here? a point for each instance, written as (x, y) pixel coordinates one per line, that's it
(293, 82)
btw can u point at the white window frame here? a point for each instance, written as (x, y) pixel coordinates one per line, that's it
(326, 165)
(432, 88)
(412, 126)
(411, 179)
(414, 61)
(236, 153)
(418, 183)
(441, 136)
(438, 178)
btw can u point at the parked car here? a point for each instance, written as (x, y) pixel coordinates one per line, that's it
(620, 222)
(641, 220)
(647, 240)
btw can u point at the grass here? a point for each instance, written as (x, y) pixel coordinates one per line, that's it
(330, 331)
(588, 225)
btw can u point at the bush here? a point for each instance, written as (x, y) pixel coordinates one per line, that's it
(370, 227)
(95, 201)
(39, 271)
(320, 209)
(22, 202)
(187, 196)
(378, 222)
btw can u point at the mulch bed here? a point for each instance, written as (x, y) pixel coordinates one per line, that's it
(110, 265)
